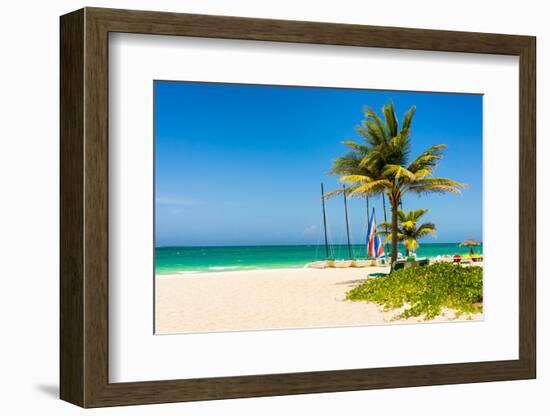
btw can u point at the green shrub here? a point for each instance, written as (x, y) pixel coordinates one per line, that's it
(426, 290)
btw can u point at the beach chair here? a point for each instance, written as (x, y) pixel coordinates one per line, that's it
(476, 258)
(377, 274)
(398, 265)
(423, 262)
(457, 258)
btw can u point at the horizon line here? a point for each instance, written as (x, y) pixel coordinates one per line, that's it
(285, 245)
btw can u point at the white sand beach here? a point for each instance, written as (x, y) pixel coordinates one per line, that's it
(269, 299)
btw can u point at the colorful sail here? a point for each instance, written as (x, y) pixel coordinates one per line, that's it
(378, 246)
(375, 248)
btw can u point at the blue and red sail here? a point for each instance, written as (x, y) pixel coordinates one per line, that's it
(375, 247)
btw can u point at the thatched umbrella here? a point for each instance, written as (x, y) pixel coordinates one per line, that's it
(470, 243)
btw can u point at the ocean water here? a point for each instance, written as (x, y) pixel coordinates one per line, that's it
(185, 260)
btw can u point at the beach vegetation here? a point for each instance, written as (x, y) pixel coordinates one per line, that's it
(381, 164)
(425, 290)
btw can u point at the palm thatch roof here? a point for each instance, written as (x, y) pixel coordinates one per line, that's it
(470, 243)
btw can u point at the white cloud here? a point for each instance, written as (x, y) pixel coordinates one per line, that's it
(310, 230)
(177, 201)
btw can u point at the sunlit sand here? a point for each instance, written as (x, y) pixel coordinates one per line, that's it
(270, 299)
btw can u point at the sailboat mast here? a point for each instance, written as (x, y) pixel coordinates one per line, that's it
(368, 210)
(347, 220)
(324, 219)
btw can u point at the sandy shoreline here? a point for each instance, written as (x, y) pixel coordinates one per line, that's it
(268, 299)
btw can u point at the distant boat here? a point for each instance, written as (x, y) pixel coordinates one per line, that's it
(339, 264)
(342, 264)
(323, 264)
(361, 263)
(316, 265)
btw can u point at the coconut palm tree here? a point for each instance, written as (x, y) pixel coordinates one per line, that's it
(408, 229)
(380, 165)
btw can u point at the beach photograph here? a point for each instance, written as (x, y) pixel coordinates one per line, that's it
(289, 207)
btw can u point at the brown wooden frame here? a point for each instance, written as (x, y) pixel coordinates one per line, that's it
(84, 207)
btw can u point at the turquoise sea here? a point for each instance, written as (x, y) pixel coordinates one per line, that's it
(184, 260)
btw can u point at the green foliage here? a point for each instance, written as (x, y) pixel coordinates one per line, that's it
(408, 229)
(426, 290)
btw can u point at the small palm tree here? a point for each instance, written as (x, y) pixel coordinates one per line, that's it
(408, 229)
(381, 164)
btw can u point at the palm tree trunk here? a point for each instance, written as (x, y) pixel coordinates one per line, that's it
(385, 227)
(394, 208)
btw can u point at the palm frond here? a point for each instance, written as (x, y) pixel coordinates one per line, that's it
(408, 224)
(407, 118)
(417, 213)
(346, 164)
(422, 173)
(401, 216)
(398, 172)
(355, 179)
(441, 189)
(373, 159)
(400, 237)
(428, 158)
(336, 192)
(369, 188)
(376, 130)
(357, 146)
(425, 229)
(391, 121)
(384, 226)
(438, 185)
(398, 149)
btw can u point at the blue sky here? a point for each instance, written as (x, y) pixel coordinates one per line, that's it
(242, 164)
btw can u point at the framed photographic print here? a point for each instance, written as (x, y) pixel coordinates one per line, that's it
(256, 207)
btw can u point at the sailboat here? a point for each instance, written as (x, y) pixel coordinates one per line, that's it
(330, 262)
(340, 264)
